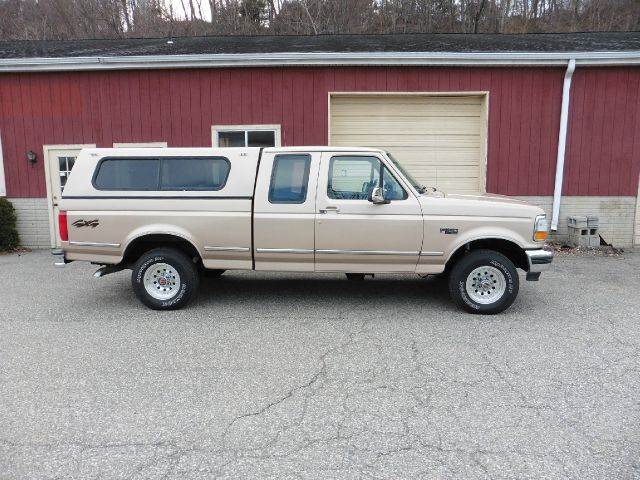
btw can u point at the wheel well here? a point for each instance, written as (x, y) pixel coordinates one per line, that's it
(143, 244)
(509, 249)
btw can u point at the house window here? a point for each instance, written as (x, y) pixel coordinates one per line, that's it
(245, 136)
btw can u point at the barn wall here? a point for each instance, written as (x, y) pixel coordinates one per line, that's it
(179, 107)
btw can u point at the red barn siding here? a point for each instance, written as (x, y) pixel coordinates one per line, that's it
(179, 107)
(603, 145)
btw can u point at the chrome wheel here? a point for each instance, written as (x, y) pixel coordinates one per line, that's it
(162, 281)
(486, 285)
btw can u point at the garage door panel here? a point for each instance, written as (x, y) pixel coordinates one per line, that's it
(432, 171)
(463, 185)
(404, 99)
(425, 140)
(400, 125)
(407, 110)
(452, 156)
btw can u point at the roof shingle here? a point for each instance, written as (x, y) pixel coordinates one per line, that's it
(462, 43)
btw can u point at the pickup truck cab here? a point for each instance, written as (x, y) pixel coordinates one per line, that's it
(172, 215)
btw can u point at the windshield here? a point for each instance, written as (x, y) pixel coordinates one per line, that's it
(414, 183)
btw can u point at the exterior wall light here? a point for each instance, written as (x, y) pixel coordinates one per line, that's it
(32, 158)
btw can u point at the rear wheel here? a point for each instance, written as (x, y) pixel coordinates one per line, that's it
(164, 279)
(484, 282)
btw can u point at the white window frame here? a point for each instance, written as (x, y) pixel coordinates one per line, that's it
(141, 145)
(3, 185)
(216, 129)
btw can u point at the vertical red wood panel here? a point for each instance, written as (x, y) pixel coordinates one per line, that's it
(179, 107)
(617, 141)
(137, 120)
(530, 171)
(631, 126)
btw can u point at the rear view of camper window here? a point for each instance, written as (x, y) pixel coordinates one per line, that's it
(169, 174)
(194, 173)
(128, 174)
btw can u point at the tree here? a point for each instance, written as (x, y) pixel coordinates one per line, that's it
(72, 19)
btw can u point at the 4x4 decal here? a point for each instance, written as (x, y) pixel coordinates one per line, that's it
(86, 223)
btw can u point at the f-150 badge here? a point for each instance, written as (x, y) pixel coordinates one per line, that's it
(449, 231)
(86, 223)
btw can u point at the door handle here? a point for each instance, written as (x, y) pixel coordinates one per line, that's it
(329, 208)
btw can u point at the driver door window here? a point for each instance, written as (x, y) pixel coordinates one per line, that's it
(354, 177)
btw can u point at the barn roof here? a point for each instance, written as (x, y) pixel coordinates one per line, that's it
(463, 43)
(404, 49)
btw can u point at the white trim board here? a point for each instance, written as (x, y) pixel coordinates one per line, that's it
(219, 60)
(141, 145)
(3, 185)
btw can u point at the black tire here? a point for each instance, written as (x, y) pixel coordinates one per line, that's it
(186, 268)
(470, 262)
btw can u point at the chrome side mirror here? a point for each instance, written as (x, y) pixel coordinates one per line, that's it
(377, 196)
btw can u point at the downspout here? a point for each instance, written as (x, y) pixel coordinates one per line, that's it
(562, 143)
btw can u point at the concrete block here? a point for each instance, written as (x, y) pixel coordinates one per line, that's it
(577, 221)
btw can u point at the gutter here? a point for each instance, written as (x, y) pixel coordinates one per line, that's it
(562, 143)
(122, 62)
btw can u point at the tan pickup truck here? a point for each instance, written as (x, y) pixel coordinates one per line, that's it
(171, 215)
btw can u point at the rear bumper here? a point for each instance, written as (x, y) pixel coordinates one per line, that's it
(539, 260)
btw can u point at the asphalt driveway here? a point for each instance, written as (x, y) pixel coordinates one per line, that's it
(298, 376)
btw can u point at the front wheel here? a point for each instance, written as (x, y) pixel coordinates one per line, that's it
(484, 282)
(164, 279)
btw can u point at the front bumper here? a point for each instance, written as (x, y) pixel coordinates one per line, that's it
(539, 260)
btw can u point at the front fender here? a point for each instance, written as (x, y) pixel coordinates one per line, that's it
(485, 233)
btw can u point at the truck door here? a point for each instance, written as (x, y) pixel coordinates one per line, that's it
(352, 233)
(284, 211)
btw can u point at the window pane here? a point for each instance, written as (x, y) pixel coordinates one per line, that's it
(392, 189)
(353, 178)
(65, 164)
(289, 179)
(194, 173)
(231, 139)
(261, 138)
(128, 174)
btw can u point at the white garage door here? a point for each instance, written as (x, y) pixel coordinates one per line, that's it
(440, 139)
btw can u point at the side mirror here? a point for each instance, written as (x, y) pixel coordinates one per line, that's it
(377, 196)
